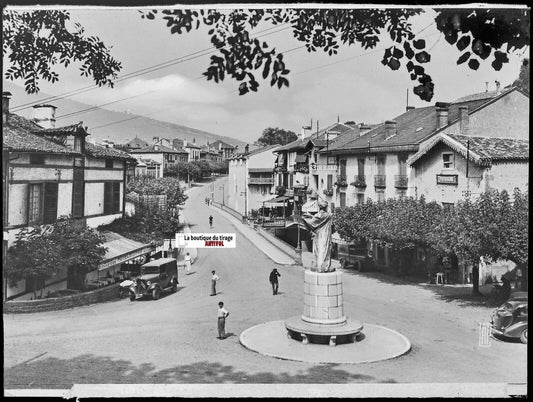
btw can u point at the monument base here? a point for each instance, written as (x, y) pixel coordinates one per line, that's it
(323, 317)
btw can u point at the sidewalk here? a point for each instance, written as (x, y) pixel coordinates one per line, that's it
(274, 253)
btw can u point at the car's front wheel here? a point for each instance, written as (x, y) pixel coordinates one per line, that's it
(132, 297)
(523, 336)
(174, 288)
(156, 293)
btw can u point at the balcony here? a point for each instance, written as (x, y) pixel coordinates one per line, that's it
(341, 181)
(360, 181)
(379, 180)
(278, 168)
(261, 180)
(400, 181)
(301, 168)
(328, 191)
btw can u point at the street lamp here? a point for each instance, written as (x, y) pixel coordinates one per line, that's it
(222, 187)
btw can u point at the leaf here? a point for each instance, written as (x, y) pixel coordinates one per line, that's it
(473, 64)
(464, 57)
(394, 64)
(422, 57)
(463, 42)
(419, 44)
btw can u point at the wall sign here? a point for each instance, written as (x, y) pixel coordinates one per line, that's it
(447, 179)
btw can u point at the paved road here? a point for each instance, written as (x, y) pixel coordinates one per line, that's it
(173, 340)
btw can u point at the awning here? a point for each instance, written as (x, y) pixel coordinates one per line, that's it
(121, 249)
(278, 201)
(260, 170)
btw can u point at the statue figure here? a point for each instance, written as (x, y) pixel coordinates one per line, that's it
(319, 220)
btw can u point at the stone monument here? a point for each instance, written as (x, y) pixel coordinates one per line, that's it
(323, 317)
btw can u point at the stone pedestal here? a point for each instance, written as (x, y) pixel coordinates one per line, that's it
(323, 316)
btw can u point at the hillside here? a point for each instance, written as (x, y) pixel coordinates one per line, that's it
(117, 126)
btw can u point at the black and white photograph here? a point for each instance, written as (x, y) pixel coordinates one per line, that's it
(289, 200)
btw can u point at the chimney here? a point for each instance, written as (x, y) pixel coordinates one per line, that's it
(497, 86)
(246, 149)
(407, 108)
(184, 143)
(486, 86)
(194, 140)
(442, 109)
(155, 139)
(5, 106)
(350, 123)
(463, 120)
(363, 129)
(390, 129)
(45, 115)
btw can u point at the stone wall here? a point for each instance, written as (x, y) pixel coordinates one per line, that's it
(60, 303)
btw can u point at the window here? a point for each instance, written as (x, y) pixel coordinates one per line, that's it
(360, 198)
(342, 163)
(381, 164)
(342, 196)
(447, 160)
(330, 181)
(109, 163)
(42, 203)
(77, 193)
(401, 192)
(111, 197)
(36, 159)
(402, 164)
(380, 195)
(77, 144)
(361, 167)
(35, 196)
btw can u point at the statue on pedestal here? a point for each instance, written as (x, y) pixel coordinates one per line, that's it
(319, 221)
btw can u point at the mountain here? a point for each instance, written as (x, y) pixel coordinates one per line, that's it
(115, 126)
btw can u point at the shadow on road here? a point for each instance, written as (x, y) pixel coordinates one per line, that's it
(91, 369)
(462, 295)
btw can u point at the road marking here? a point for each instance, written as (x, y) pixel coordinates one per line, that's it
(34, 358)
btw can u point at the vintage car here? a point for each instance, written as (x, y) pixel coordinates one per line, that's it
(354, 256)
(510, 319)
(155, 277)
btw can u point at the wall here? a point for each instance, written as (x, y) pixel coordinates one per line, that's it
(506, 118)
(237, 179)
(507, 176)
(61, 303)
(154, 156)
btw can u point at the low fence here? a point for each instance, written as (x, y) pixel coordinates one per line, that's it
(283, 246)
(107, 293)
(229, 210)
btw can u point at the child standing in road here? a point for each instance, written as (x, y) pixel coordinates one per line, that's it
(273, 278)
(214, 280)
(211, 221)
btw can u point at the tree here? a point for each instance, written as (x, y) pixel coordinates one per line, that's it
(522, 81)
(271, 136)
(482, 34)
(33, 257)
(37, 40)
(178, 170)
(40, 253)
(168, 186)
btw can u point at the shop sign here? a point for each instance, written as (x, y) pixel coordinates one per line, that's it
(447, 179)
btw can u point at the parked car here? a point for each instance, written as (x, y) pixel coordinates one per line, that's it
(156, 277)
(354, 256)
(510, 319)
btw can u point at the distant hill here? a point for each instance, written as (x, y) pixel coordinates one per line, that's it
(130, 126)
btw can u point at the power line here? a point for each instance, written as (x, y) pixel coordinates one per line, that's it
(146, 70)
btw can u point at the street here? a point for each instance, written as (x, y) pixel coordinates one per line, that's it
(173, 340)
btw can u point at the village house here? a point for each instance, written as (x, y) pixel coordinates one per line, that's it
(250, 179)
(50, 172)
(226, 150)
(161, 152)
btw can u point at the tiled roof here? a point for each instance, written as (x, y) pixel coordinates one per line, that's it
(97, 151)
(136, 143)
(18, 134)
(481, 150)
(224, 144)
(413, 127)
(161, 149)
(255, 151)
(300, 144)
(64, 130)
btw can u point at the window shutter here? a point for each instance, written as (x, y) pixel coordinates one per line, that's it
(116, 197)
(108, 198)
(77, 193)
(50, 202)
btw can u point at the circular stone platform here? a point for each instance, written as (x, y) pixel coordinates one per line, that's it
(375, 343)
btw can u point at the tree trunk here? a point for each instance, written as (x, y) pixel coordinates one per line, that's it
(34, 289)
(475, 279)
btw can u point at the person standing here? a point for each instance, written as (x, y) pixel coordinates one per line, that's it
(221, 324)
(188, 263)
(214, 280)
(211, 221)
(446, 262)
(273, 278)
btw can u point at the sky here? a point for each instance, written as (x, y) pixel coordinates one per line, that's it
(350, 86)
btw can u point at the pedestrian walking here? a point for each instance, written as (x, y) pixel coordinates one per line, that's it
(214, 280)
(188, 263)
(211, 221)
(221, 324)
(273, 278)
